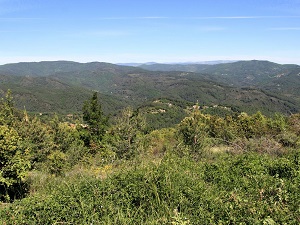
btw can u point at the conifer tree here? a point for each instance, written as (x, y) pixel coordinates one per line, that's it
(94, 116)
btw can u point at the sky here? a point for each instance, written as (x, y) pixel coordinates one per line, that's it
(164, 31)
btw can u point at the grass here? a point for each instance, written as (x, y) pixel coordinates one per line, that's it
(225, 189)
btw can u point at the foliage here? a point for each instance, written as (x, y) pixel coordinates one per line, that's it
(125, 136)
(92, 133)
(14, 157)
(7, 109)
(235, 168)
(158, 142)
(163, 113)
(194, 131)
(94, 117)
(241, 132)
(247, 189)
(14, 161)
(62, 87)
(37, 137)
(56, 162)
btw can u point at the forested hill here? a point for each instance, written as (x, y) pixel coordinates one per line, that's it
(47, 68)
(62, 86)
(252, 72)
(280, 79)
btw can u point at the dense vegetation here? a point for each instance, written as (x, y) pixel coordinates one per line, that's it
(216, 166)
(62, 86)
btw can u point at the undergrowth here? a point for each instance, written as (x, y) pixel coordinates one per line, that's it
(227, 189)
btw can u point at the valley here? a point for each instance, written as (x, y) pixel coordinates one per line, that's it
(62, 86)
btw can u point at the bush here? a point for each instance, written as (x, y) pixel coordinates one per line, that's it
(233, 189)
(14, 163)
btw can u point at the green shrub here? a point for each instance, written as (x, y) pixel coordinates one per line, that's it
(233, 189)
(14, 163)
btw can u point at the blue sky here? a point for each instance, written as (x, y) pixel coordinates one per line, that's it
(149, 30)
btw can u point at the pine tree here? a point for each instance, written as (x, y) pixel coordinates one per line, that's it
(94, 117)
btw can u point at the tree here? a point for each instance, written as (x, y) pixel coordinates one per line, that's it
(14, 157)
(94, 117)
(194, 131)
(7, 109)
(14, 162)
(125, 136)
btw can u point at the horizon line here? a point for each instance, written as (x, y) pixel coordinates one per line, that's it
(221, 61)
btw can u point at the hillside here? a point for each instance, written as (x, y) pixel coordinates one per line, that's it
(46, 68)
(241, 73)
(206, 169)
(282, 80)
(140, 86)
(46, 94)
(243, 86)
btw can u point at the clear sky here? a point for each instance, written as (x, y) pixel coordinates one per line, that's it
(149, 30)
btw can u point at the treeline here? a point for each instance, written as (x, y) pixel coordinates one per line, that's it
(208, 169)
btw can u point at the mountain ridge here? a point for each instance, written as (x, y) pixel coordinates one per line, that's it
(272, 87)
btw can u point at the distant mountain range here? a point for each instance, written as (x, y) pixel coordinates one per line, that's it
(179, 63)
(62, 86)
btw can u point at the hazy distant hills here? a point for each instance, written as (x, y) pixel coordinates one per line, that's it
(180, 63)
(62, 86)
(46, 68)
(265, 75)
(237, 73)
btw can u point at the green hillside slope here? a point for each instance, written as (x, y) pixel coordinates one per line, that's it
(241, 73)
(46, 94)
(244, 86)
